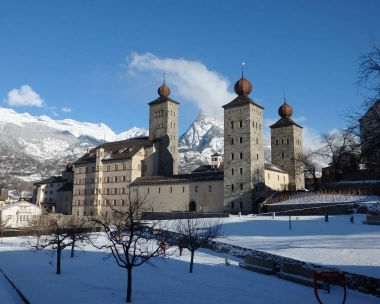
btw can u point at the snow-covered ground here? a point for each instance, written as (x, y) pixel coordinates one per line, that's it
(89, 279)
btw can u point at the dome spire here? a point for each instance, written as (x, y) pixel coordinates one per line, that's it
(163, 90)
(285, 110)
(243, 86)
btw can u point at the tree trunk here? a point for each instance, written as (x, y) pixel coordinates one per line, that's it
(191, 261)
(58, 258)
(72, 248)
(129, 285)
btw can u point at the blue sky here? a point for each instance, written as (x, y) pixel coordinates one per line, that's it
(102, 61)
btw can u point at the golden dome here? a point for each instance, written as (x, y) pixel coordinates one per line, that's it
(163, 91)
(285, 110)
(243, 87)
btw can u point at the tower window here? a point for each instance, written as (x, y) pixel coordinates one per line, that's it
(196, 188)
(232, 124)
(232, 187)
(287, 140)
(241, 155)
(210, 188)
(282, 154)
(241, 205)
(240, 123)
(232, 205)
(241, 170)
(232, 171)
(241, 140)
(171, 189)
(257, 141)
(159, 190)
(241, 186)
(276, 142)
(282, 141)
(257, 156)
(231, 141)
(253, 124)
(232, 156)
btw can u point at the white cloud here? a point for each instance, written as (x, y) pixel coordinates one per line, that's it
(25, 96)
(66, 110)
(299, 119)
(192, 80)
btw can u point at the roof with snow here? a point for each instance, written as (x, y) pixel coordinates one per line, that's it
(123, 149)
(274, 168)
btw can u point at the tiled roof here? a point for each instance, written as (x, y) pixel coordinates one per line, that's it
(240, 101)
(161, 99)
(123, 149)
(51, 180)
(284, 122)
(274, 168)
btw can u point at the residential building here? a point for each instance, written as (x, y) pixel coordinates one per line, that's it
(17, 215)
(54, 194)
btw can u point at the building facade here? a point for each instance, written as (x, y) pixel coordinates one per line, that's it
(54, 194)
(286, 147)
(17, 215)
(147, 167)
(243, 149)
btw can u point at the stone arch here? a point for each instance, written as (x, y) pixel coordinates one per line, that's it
(192, 206)
(256, 207)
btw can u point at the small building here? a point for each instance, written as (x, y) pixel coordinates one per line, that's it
(17, 215)
(55, 193)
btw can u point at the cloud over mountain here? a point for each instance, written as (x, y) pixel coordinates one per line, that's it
(25, 96)
(192, 79)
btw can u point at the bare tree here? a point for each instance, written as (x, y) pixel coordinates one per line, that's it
(78, 231)
(58, 240)
(364, 120)
(336, 147)
(311, 163)
(39, 225)
(194, 233)
(369, 72)
(131, 242)
(3, 225)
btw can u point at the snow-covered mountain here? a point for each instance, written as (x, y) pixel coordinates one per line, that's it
(203, 138)
(48, 144)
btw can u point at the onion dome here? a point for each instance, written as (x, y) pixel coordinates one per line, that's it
(243, 87)
(285, 110)
(69, 167)
(163, 91)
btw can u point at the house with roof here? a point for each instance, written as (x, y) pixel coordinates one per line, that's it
(54, 194)
(17, 215)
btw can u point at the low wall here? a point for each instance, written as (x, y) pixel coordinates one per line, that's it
(357, 282)
(311, 209)
(179, 215)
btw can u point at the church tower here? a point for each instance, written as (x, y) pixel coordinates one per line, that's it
(163, 129)
(286, 147)
(243, 150)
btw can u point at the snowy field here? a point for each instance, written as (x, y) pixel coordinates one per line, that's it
(88, 278)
